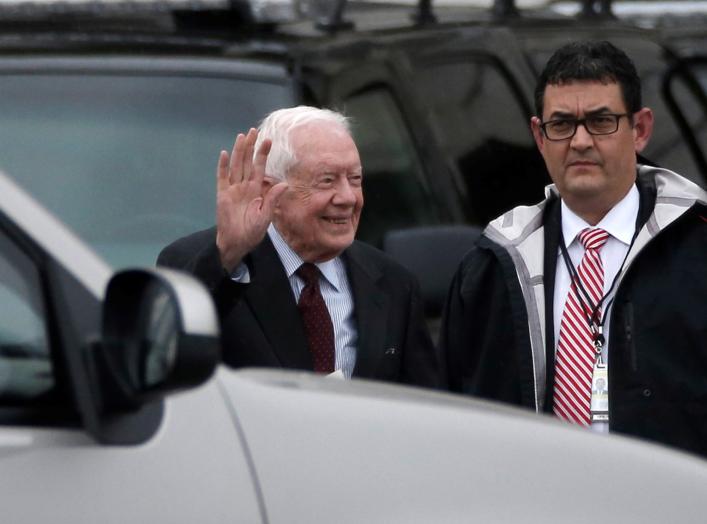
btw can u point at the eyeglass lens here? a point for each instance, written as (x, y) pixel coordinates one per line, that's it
(595, 125)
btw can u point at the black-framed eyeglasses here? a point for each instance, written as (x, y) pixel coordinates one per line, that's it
(564, 128)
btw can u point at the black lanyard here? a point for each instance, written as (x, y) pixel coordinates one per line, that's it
(596, 324)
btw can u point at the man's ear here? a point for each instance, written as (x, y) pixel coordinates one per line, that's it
(642, 128)
(537, 133)
(270, 183)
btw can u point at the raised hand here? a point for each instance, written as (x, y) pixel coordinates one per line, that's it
(244, 202)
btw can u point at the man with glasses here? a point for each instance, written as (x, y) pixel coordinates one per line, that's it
(591, 305)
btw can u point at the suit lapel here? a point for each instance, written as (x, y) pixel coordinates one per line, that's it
(371, 307)
(273, 305)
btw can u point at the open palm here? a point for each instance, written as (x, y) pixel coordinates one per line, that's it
(244, 203)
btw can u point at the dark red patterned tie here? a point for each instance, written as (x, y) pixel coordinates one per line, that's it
(317, 322)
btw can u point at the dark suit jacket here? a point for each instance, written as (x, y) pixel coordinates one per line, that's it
(261, 325)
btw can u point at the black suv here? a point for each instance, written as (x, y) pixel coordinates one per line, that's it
(113, 113)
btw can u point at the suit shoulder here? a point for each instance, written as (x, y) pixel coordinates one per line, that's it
(180, 251)
(480, 266)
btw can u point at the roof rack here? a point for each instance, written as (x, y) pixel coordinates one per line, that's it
(504, 9)
(258, 11)
(424, 14)
(596, 9)
(507, 9)
(328, 15)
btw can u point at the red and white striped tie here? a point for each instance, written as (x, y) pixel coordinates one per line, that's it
(574, 361)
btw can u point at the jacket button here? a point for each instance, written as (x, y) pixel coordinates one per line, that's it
(647, 392)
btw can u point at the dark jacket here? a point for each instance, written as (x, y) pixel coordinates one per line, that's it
(261, 325)
(498, 334)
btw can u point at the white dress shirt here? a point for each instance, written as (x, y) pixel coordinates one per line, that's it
(337, 296)
(620, 223)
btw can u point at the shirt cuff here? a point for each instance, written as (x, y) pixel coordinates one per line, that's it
(241, 274)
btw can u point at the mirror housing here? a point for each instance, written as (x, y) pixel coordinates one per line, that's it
(159, 334)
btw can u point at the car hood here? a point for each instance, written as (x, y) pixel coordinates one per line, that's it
(371, 452)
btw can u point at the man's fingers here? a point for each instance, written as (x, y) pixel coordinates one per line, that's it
(222, 172)
(237, 156)
(261, 159)
(250, 139)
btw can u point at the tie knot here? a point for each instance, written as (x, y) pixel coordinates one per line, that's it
(593, 237)
(309, 273)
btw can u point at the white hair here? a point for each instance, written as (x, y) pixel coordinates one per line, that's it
(278, 127)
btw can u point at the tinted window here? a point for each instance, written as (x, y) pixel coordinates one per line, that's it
(128, 162)
(700, 122)
(396, 195)
(692, 106)
(667, 146)
(484, 127)
(25, 365)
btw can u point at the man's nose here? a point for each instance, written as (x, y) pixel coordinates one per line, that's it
(345, 193)
(582, 139)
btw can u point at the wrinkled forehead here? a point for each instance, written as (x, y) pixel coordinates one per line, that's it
(315, 130)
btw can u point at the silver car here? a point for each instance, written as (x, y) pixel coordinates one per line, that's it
(111, 412)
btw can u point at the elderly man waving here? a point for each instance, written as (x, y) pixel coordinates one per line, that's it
(293, 287)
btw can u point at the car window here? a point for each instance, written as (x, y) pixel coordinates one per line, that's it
(25, 364)
(484, 127)
(395, 190)
(692, 106)
(699, 124)
(126, 160)
(667, 147)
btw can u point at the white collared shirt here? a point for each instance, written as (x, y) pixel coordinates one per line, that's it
(337, 296)
(620, 223)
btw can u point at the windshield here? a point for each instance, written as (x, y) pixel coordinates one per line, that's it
(127, 160)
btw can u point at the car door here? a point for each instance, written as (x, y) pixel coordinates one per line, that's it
(405, 183)
(190, 467)
(442, 123)
(684, 88)
(477, 90)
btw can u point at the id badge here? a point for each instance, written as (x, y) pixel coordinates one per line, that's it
(600, 393)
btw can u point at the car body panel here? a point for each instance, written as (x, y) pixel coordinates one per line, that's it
(194, 469)
(357, 451)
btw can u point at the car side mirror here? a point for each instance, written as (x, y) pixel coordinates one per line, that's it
(159, 334)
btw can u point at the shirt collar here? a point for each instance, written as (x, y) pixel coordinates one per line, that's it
(619, 222)
(292, 261)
